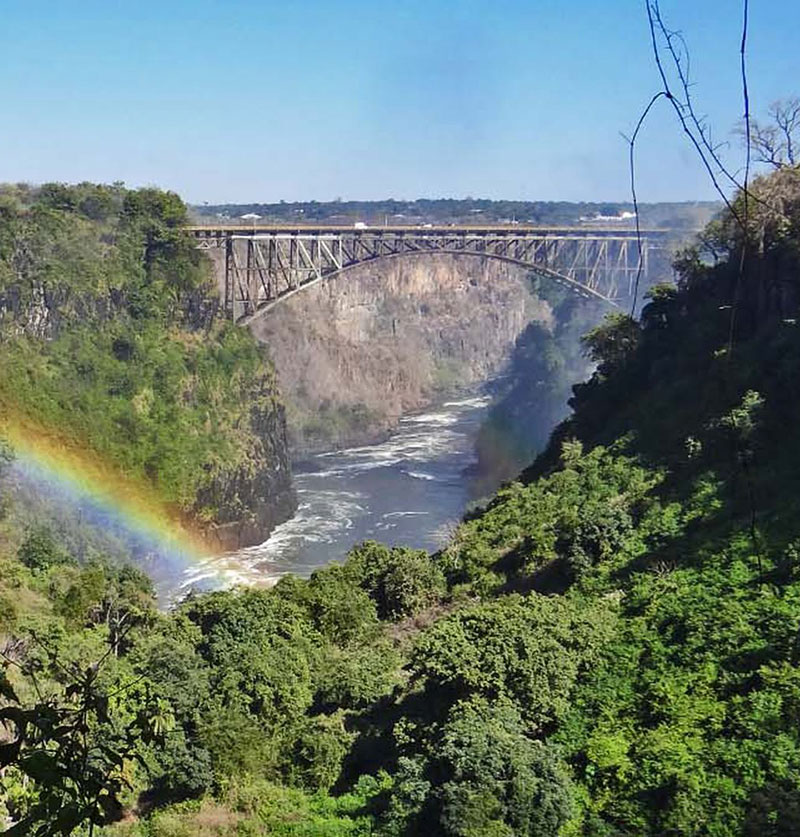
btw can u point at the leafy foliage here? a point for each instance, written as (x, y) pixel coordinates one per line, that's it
(498, 781)
(69, 745)
(609, 647)
(110, 341)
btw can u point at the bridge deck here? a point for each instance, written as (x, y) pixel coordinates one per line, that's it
(396, 229)
(263, 264)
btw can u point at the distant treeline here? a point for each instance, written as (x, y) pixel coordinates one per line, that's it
(687, 215)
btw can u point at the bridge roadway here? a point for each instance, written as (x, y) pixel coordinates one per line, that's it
(261, 265)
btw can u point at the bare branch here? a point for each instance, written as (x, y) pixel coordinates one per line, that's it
(787, 117)
(631, 151)
(775, 142)
(683, 107)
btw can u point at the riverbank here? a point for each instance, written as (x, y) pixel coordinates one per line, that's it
(409, 489)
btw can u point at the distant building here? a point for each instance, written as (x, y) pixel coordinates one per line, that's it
(608, 219)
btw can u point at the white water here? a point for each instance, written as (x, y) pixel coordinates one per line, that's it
(409, 490)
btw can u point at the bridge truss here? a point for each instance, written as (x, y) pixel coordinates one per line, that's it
(263, 266)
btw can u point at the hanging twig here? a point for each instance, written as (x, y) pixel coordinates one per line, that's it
(745, 190)
(631, 149)
(687, 105)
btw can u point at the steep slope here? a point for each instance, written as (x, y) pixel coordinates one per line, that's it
(532, 395)
(110, 342)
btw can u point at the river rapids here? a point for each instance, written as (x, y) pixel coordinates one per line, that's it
(409, 490)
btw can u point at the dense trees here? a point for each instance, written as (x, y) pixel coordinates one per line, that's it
(609, 647)
(110, 341)
(465, 211)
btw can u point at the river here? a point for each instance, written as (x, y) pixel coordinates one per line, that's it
(410, 489)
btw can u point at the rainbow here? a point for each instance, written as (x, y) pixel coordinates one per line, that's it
(80, 482)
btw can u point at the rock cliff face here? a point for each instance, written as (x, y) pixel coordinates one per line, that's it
(533, 396)
(111, 342)
(251, 499)
(357, 351)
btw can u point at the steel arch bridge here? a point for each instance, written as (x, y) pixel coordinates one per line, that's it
(261, 266)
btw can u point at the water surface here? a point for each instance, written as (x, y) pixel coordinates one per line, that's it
(408, 490)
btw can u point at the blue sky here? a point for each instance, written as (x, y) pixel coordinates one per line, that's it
(317, 99)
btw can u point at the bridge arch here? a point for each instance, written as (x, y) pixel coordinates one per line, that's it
(574, 286)
(264, 266)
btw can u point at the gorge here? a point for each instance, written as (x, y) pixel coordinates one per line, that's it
(125, 358)
(398, 419)
(394, 365)
(356, 352)
(393, 686)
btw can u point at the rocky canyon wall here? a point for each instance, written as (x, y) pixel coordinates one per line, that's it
(357, 351)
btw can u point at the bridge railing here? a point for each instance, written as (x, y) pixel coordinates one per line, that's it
(264, 264)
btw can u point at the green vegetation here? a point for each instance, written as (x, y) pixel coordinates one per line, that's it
(689, 215)
(609, 648)
(110, 340)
